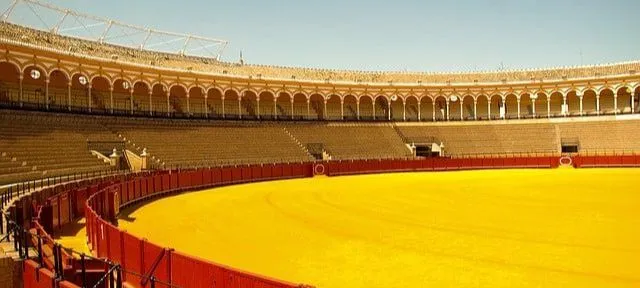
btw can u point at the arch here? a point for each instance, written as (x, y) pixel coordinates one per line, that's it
(511, 106)
(526, 106)
(26, 68)
(468, 112)
(283, 107)
(249, 104)
(607, 105)
(140, 100)
(231, 104)
(334, 107)
(411, 108)
(159, 99)
(540, 104)
(79, 93)
(121, 96)
(589, 102)
(214, 103)
(100, 93)
(397, 108)
(196, 102)
(58, 89)
(426, 109)
(573, 104)
(316, 107)
(9, 82)
(624, 100)
(381, 108)
(482, 107)
(495, 105)
(555, 104)
(300, 106)
(178, 100)
(33, 90)
(366, 107)
(636, 99)
(441, 111)
(267, 98)
(350, 107)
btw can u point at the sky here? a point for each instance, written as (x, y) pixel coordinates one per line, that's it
(400, 35)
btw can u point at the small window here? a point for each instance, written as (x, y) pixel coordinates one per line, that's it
(569, 148)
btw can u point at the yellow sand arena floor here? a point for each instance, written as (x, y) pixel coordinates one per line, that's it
(509, 228)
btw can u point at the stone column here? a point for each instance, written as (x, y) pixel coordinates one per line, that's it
(598, 104)
(20, 92)
(111, 99)
(475, 109)
(46, 93)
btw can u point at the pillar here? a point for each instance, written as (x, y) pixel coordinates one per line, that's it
(90, 98)
(598, 104)
(433, 110)
(475, 109)
(258, 106)
(533, 107)
(168, 105)
(548, 106)
(489, 107)
(150, 102)
(447, 111)
(461, 109)
(275, 108)
(239, 107)
(615, 103)
(206, 106)
(188, 105)
(633, 102)
(342, 108)
(291, 107)
(358, 109)
(131, 100)
(404, 110)
(46, 93)
(308, 110)
(20, 91)
(223, 115)
(389, 109)
(419, 119)
(580, 98)
(324, 110)
(68, 95)
(111, 99)
(565, 107)
(518, 100)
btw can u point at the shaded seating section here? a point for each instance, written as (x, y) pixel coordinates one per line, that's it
(353, 141)
(200, 143)
(603, 137)
(36, 145)
(486, 139)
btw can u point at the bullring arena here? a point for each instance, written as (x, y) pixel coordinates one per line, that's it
(172, 170)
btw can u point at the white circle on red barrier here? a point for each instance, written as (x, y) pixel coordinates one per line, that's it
(566, 160)
(318, 169)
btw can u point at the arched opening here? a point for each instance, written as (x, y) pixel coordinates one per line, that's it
(350, 108)
(540, 103)
(366, 107)
(58, 90)
(196, 102)
(397, 108)
(231, 107)
(636, 100)
(79, 92)
(283, 106)
(334, 108)
(100, 94)
(159, 100)
(267, 109)
(411, 108)
(482, 107)
(441, 108)
(624, 100)
(300, 107)
(607, 105)
(511, 106)
(589, 102)
(121, 97)
(316, 107)
(454, 108)
(33, 82)
(9, 84)
(249, 104)
(555, 104)
(381, 108)
(178, 101)
(426, 109)
(141, 104)
(214, 103)
(573, 104)
(526, 106)
(496, 106)
(468, 112)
